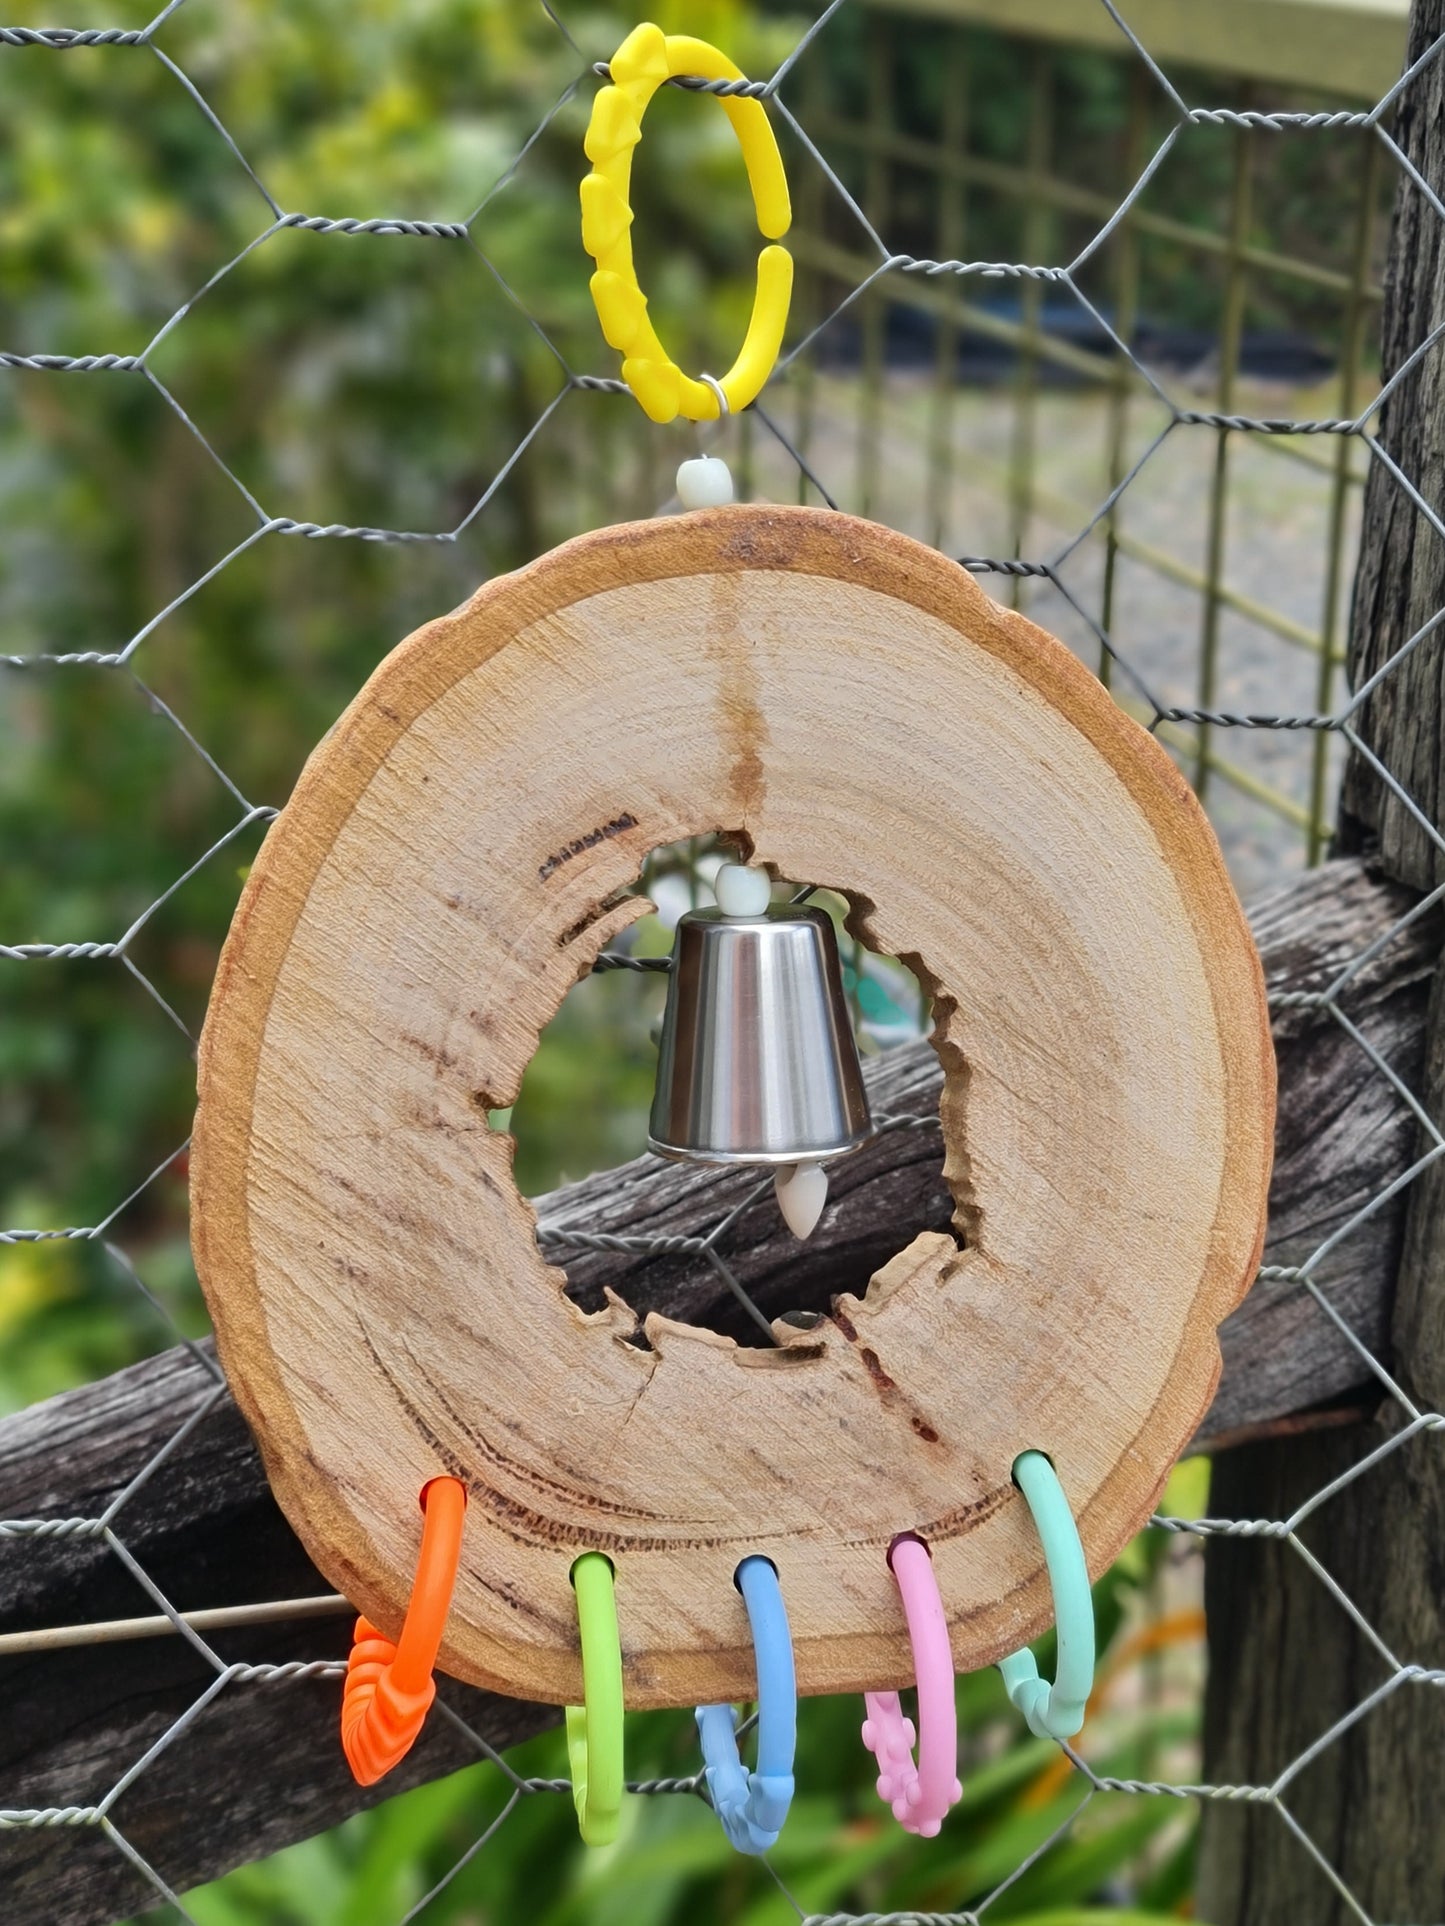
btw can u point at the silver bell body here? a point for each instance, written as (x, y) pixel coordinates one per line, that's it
(756, 1062)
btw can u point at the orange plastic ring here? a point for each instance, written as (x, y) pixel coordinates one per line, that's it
(389, 1688)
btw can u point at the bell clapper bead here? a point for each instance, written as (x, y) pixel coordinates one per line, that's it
(742, 890)
(704, 482)
(802, 1188)
(802, 1191)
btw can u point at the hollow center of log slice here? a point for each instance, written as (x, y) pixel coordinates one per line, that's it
(584, 1102)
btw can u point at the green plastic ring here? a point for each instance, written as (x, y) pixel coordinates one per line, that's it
(1055, 1711)
(594, 1728)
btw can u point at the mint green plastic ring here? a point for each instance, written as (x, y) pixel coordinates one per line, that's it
(1055, 1711)
(594, 1728)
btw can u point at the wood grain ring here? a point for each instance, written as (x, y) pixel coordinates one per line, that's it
(855, 709)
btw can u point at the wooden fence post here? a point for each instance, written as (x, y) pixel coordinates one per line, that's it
(1287, 1658)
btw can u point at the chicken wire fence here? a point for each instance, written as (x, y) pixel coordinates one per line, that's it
(787, 418)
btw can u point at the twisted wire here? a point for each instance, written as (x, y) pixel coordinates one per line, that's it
(908, 1918)
(1274, 123)
(1230, 719)
(620, 960)
(381, 224)
(51, 1528)
(987, 270)
(62, 37)
(73, 363)
(21, 1820)
(694, 84)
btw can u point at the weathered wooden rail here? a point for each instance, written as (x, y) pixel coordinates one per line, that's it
(261, 1766)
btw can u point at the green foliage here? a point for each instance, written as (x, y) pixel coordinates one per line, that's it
(363, 380)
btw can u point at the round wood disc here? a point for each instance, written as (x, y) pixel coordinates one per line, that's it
(852, 709)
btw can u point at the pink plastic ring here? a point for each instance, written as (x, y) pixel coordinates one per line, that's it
(919, 1795)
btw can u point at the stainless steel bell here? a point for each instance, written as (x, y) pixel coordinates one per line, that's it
(757, 1063)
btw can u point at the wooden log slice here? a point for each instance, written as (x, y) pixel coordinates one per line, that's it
(851, 709)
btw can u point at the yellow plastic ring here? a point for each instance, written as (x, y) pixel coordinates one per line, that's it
(647, 58)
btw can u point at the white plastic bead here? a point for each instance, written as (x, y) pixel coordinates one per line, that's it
(802, 1191)
(742, 891)
(704, 482)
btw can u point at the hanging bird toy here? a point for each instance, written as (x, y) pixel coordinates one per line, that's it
(924, 1480)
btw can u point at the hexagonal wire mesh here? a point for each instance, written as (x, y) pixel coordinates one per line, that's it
(1205, 717)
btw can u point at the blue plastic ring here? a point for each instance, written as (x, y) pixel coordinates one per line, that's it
(753, 1805)
(1055, 1711)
